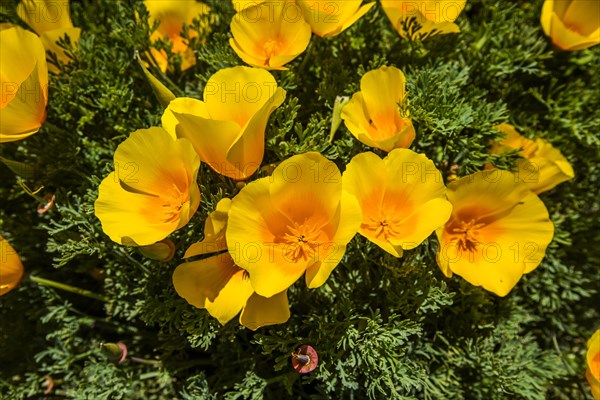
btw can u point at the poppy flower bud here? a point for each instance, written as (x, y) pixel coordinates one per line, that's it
(115, 352)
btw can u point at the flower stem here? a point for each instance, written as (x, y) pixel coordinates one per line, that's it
(67, 288)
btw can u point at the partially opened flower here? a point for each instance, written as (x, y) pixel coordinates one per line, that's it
(153, 190)
(543, 166)
(23, 83)
(402, 197)
(227, 129)
(296, 221)
(330, 18)
(266, 36)
(51, 20)
(11, 268)
(172, 16)
(374, 116)
(498, 231)
(572, 24)
(432, 16)
(221, 287)
(592, 372)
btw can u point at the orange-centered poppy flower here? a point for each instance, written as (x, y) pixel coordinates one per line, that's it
(11, 268)
(51, 20)
(297, 220)
(498, 231)
(221, 287)
(329, 18)
(542, 167)
(373, 115)
(153, 190)
(592, 372)
(403, 198)
(227, 129)
(23, 83)
(270, 34)
(572, 24)
(432, 16)
(172, 16)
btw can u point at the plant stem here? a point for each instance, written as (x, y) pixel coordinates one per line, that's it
(566, 364)
(67, 288)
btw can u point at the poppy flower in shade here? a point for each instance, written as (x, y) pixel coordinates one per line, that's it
(227, 129)
(221, 287)
(295, 221)
(172, 16)
(11, 268)
(266, 36)
(572, 24)
(433, 16)
(402, 197)
(51, 20)
(373, 115)
(592, 372)
(330, 18)
(23, 83)
(498, 231)
(542, 167)
(153, 190)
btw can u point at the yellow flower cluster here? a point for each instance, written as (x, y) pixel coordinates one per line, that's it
(491, 226)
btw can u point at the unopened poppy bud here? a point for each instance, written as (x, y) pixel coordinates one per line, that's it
(305, 359)
(115, 352)
(336, 119)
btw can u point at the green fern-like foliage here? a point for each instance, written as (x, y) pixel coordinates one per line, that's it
(383, 327)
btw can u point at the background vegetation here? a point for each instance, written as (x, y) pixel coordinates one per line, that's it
(383, 327)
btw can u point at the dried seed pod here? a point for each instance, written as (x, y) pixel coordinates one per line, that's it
(305, 359)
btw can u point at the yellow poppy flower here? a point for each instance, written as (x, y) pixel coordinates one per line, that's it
(373, 115)
(172, 15)
(572, 24)
(11, 268)
(433, 16)
(23, 82)
(240, 5)
(297, 220)
(592, 372)
(227, 129)
(543, 166)
(402, 198)
(51, 20)
(221, 287)
(330, 18)
(153, 190)
(498, 231)
(270, 34)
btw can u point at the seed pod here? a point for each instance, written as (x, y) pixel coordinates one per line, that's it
(115, 352)
(305, 359)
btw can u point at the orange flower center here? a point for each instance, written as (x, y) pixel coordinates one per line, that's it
(173, 201)
(301, 242)
(468, 235)
(271, 48)
(383, 227)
